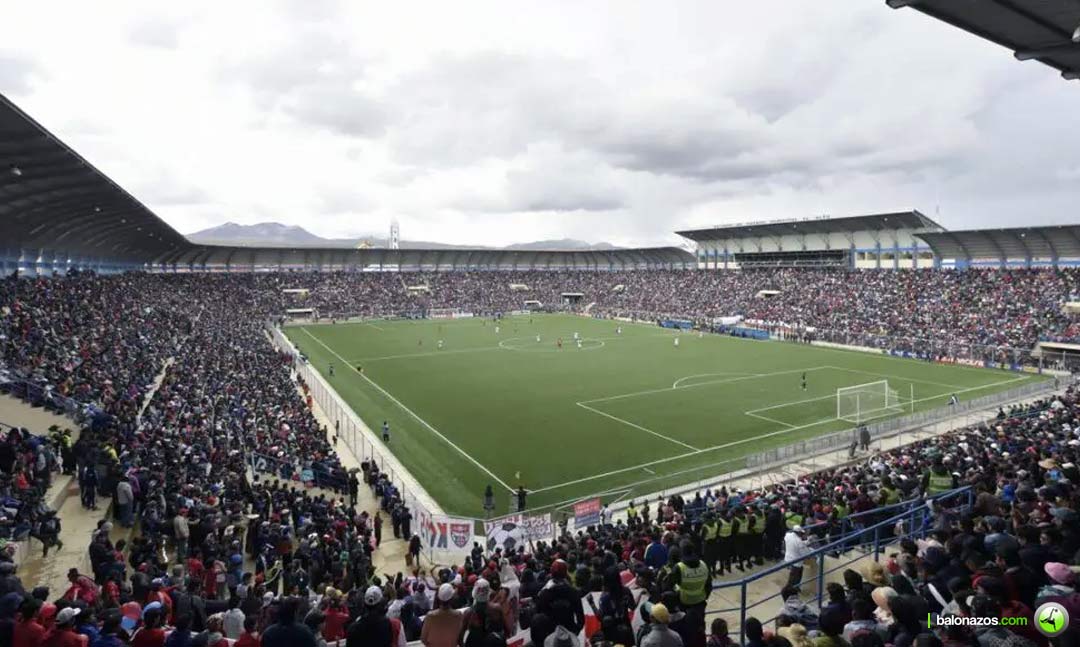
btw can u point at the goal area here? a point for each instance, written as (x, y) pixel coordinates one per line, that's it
(863, 402)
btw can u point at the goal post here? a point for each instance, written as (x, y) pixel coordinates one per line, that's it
(863, 402)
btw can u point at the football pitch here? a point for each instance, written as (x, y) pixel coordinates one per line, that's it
(623, 414)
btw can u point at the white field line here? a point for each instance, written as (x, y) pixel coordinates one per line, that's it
(738, 442)
(676, 383)
(636, 426)
(767, 419)
(649, 471)
(368, 323)
(788, 404)
(706, 383)
(414, 415)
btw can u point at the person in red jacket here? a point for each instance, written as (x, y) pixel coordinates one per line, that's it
(337, 618)
(249, 638)
(82, 588)
(63, 635)
(28, 632)
(151, 633)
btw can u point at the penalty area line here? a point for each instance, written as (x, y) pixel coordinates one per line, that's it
(412, 413)
(636, 426)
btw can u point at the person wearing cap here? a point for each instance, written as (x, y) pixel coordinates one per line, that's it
(373, 628)
(150, 634)
(796, 548)
(63, 634)
(442, 626)
(657, 633)
(484, 618)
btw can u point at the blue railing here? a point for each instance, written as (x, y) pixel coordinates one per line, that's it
(878, 535)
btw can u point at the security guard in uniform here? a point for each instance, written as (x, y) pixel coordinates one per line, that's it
(938, 479)
(710, 540)
(792, 518)
(744, 539)
(693, 582)
(757, 544)
(632, 515)
(889, 494)
(725, 542)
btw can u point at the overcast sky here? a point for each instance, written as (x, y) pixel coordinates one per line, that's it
(501, 122)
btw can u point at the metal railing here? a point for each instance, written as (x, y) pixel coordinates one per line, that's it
(351, 430)
(913, 517)
(44, 395)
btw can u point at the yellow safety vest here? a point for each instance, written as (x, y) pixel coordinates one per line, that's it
(793, 520)
(891, 495)
(692, 580)
(744, 526)
(939, 483)
(725, 528)
(710, 531)
(759, 524)
(631, 512)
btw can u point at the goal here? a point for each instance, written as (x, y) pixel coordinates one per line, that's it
(864, 402)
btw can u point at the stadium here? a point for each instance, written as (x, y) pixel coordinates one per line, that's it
(783, 431)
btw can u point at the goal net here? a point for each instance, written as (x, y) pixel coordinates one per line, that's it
(864, 402)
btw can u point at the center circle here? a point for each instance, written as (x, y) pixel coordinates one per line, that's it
(530, 345)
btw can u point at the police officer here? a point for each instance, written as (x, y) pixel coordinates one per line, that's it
(744, 537)
(938, 479)
(725, 541)
(693, 582)
(757, 543)
(710, 539)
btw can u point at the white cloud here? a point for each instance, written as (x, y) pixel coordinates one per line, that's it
(494, 123)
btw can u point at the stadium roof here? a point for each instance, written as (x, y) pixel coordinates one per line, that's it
(50, 197)
(1042, 30)
(332, 258)
(1018, 243)
(54, 201)
(879, 222)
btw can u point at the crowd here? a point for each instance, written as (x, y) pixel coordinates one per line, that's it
(179, 392)
(980, 314)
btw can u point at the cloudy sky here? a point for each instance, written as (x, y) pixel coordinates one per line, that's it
(500, 122)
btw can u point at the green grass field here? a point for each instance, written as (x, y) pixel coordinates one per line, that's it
(624, 414)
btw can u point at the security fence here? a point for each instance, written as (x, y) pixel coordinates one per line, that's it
(893, 426)
(350, 429)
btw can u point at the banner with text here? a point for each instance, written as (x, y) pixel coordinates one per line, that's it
(513, 530)
(444, 534)
(587, 513)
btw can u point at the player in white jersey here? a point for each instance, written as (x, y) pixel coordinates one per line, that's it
(676, 342)
(618, 330)
(496, 330)
(579, 343)
(538, 339)
(440, 344)
(576, 336)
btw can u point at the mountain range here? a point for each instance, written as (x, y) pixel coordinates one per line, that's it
(275, 234)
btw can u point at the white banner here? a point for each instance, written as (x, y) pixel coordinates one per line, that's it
(514, 530)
